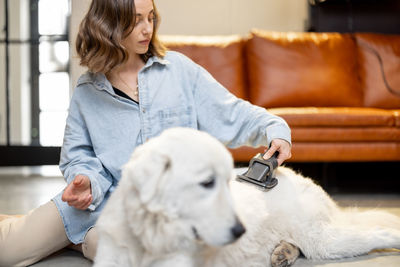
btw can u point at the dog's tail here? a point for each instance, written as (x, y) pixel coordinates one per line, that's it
(370, 219)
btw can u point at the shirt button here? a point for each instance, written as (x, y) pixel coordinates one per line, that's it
(143, 110)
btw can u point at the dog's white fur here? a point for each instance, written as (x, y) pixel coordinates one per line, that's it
(166, 211)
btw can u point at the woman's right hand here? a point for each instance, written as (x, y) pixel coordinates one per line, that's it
(78, 193)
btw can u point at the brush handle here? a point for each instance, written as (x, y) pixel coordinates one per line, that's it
(273, 158)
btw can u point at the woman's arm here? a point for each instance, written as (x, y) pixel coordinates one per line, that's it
(78, 161)
(232, 120)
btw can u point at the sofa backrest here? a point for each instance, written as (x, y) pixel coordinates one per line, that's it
(222, 56)
(379, 61)
(302, 69)
(283, 69)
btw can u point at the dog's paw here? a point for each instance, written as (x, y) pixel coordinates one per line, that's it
(284, 254)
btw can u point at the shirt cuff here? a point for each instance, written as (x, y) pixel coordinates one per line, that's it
(97, 194)
(281, 131)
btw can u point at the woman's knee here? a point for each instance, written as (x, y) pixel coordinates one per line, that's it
(89, 245)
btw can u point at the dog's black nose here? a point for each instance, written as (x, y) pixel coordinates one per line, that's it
(238, 230)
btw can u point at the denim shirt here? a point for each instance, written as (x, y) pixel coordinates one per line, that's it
(103, 129)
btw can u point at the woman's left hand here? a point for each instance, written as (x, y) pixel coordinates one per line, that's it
(78, 193)
(282, 146)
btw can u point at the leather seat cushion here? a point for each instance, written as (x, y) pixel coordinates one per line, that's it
(331, 152)
(336, 117)
(345, 134)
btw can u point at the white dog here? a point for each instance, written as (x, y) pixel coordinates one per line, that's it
(177, 204)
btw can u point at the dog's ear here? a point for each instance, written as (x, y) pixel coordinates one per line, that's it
(144, 172)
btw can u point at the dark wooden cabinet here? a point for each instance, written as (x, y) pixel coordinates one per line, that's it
(378, 16)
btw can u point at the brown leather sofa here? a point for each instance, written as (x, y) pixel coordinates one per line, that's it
(340, 93)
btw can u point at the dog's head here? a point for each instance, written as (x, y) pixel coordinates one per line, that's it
(181, 180)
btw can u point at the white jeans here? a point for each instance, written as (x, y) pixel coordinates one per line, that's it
(27, 239)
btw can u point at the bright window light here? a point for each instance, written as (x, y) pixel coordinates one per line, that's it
(52, 16)
(54, 91)
(53, 56)
(52, 125)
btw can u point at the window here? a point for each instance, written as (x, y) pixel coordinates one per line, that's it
(34, 74)
(53, 68)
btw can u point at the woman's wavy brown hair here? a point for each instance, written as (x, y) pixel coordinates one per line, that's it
(102, 30)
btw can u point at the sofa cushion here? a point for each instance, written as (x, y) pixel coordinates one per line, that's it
(345, 134)
(302, 69)
(346, 152)
(222, 56)
(377, 53)
(337, 117)
(330, 152)
(397, 114)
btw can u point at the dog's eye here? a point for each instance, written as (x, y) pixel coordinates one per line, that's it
(209, 183)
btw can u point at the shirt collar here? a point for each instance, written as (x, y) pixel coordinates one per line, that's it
(99, 80)
(155, 59)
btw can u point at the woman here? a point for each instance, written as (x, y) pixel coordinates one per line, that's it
(132, 92)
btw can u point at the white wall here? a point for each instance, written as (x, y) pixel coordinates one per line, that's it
(210, 17)
(78, 11)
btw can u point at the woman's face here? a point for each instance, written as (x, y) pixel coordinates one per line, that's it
(139, 39)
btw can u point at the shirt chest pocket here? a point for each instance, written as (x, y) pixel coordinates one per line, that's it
(175, 117)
